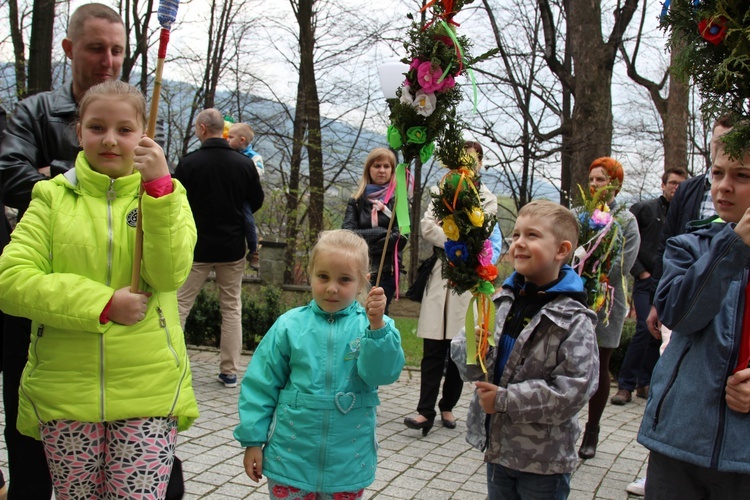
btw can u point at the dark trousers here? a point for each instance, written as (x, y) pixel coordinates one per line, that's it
(433, 364)
(27, 464)
(643, 350)
(668, 478)
(508, 484)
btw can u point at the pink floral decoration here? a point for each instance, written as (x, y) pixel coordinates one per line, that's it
(448, 83)
(428, 77)
(600, 219)
(484, 257)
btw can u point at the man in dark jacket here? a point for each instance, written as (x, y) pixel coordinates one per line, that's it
(643, 350)
(40, 139)
(692, 201)
(219, 180)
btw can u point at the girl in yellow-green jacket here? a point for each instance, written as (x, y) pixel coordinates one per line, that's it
(108, 383)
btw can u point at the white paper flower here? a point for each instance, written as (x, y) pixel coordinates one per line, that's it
(424, 103)
(406, 97)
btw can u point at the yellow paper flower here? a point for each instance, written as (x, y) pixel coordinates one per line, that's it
(476, 216)
(450, 228)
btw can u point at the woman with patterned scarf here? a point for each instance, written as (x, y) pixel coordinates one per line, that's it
(368, 214)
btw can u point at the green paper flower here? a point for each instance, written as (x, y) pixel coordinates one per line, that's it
(394, 137)
(485, 288)
(426, 152)
(416, 135)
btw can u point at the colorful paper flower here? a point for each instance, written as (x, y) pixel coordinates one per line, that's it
(428, 76)
(424, 103)
(713, 32)
(485, 288)
(600, 219)
(487, 272)
(394, 137)
(450, 228)
(416, 135)
(456, 251)
(484, 257)
(425, 153)
(448, 83)
(476, 216)
(406, 96)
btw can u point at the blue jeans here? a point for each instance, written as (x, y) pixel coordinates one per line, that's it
(251, 234)
(643, 350)
(509, 484)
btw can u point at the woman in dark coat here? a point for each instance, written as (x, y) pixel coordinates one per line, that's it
(368, 214)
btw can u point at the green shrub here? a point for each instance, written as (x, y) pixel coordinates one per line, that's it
(203, 324)
(259, 311)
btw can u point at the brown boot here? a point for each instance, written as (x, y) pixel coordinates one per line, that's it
(589, 442)
(621, 397)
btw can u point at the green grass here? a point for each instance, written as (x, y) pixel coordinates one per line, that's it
(409, 341)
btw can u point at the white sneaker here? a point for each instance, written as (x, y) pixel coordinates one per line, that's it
(637, 487)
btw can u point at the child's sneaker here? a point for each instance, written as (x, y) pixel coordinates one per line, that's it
(228, 380)
(637, 487)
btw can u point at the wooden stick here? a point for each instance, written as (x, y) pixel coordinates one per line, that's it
(135, 277)
(387, 240)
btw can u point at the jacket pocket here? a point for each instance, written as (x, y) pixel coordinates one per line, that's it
(670, 383)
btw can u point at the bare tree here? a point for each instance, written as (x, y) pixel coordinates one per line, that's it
(590, 83)
(672, 109)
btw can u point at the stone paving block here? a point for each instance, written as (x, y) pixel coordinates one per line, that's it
(396, 492)
(433, 494)
(611, 493)
(418, 474)
(212, 478)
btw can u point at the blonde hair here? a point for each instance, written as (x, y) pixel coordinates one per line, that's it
(114, 89)
(243, 130)
(560, 220)
(352, 246)
(376, 154)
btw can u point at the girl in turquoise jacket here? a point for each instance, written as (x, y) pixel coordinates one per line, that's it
(108, 382)
(308, 399)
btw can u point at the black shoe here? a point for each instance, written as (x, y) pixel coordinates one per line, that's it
(412, 423)
(589, 442)
(448, 424)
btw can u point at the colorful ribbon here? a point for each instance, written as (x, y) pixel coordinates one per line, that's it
(402, 200)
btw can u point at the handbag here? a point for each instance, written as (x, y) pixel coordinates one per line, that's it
(416, 290)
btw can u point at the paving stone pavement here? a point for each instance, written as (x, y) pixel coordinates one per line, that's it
(438, 466)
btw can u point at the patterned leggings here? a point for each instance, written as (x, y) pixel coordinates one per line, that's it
(278, 490)
(123, 459)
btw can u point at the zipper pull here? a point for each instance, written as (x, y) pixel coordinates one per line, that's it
(162, 319)
(330, 318)
(40, 331)
(111, 194)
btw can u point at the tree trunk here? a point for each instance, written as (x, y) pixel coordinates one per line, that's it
(292, 194)
(40, 46)
(305, 17)
(591, 123)
(19, 48)
(676, 121)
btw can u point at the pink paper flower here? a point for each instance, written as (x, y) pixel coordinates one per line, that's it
(485, 256)
(600, 219)
(448, 83)
(428, 77)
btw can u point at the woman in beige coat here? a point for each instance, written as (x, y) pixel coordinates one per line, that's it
(441, 317)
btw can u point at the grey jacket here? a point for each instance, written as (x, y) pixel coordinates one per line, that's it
(550, 375)
(40, 134)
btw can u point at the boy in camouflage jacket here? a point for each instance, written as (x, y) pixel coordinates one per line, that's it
(544, 367)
